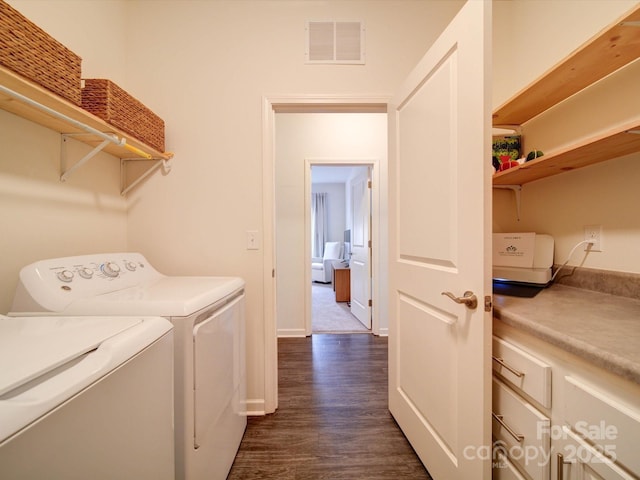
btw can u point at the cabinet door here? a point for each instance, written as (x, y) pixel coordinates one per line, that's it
(576, 460)
(605, 421)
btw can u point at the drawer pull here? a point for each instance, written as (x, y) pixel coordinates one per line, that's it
(499, 418)
(560, 466)
(502, 363)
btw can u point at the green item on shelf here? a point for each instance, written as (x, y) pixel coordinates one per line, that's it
(534, 154)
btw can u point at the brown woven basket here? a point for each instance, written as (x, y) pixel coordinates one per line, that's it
(31, 52)
(108, 101)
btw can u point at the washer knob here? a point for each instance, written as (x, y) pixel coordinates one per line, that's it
(131, 266)
(110, 269)
(65, 275)
(85, 272)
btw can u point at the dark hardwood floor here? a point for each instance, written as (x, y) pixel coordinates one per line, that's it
(333, 420)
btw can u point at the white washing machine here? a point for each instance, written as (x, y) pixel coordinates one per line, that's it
(207, 314)
(86, 398)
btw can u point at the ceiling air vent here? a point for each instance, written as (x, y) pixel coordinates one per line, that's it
(335, 42)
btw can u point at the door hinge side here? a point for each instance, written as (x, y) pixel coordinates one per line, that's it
(370, 303)
(273, 273)
(369, 184)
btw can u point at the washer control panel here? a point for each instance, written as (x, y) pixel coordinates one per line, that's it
(54, 283)
(126, 270)
(93, 274)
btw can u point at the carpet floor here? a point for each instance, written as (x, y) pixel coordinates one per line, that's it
(329, 316)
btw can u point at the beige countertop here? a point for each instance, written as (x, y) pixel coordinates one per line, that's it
(601, 328)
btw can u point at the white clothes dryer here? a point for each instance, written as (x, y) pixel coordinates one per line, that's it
(86, 397)
(207, 314)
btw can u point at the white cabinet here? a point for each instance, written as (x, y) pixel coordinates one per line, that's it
(503, 469)
(577, 460)
(521, 387)
(610, 426)
(525, 372)
(589, 428)
(521, 431)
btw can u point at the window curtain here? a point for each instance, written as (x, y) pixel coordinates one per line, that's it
(319, 224)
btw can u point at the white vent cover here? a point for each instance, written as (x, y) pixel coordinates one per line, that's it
(335, 42)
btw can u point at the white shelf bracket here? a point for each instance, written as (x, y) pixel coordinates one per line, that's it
(67, 173)
(507, 129)
(159, 162)
(517, 189)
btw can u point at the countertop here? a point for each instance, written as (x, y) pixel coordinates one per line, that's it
(601, 328)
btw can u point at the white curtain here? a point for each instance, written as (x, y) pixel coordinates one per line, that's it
(319, 224)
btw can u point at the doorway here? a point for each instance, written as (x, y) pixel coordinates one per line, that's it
(303, 140)
(339, 218)
(283, 183)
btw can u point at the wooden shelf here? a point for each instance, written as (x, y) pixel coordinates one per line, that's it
(44, 97)
(612, 144)
(610, 50)
(607, 52)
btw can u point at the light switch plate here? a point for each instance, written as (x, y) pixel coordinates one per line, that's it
(253, 241)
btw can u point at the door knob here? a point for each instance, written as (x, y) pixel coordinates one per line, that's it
(469, 299)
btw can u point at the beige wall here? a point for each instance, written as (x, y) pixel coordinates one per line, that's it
(42, 217)
(605, 194)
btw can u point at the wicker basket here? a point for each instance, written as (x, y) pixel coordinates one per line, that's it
(108, 101)
(31, 52)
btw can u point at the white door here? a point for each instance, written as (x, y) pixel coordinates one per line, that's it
(440, 220)
(360, 263)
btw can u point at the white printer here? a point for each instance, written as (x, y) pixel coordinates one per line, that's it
(523, 258)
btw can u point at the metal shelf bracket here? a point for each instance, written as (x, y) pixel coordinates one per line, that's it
(63, 156)
(159, 162)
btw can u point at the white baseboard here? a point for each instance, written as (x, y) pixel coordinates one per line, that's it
(384, 332)
(255, 407)
(291, 332)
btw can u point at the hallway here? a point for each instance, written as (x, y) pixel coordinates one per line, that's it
(333, 421)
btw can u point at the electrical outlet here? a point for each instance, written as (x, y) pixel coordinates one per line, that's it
(594, 234)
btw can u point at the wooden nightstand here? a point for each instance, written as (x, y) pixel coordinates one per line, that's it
(342, 282)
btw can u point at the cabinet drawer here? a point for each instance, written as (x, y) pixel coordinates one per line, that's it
(522, 419)
(576, 460)
(503, 469)
(605, 422)
(523, 371)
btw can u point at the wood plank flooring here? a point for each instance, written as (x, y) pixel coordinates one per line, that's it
(333, 420)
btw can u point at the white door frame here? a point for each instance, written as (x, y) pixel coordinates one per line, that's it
(301, 104)
(375, 237)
